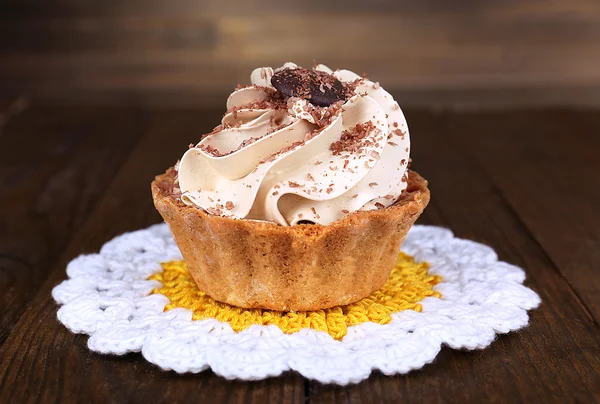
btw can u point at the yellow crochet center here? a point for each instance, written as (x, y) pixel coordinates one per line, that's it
(408, 284)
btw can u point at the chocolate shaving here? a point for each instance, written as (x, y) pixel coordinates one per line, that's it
(374, 154)
(211, 150)
(214, 211)
(398, 132)
(354, 140)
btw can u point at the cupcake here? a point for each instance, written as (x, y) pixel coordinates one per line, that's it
(301, 198)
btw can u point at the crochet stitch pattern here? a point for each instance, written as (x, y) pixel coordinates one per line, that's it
(408, 284)
(108, 296)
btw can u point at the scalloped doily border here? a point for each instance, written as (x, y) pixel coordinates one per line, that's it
(108, 297)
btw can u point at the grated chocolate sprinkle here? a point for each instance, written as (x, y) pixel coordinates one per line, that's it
(214, 211)
(209, 149)
(354, 140)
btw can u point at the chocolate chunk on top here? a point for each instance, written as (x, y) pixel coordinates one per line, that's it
(319, 88)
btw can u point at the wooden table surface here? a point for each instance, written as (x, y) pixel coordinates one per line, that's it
(525, 182)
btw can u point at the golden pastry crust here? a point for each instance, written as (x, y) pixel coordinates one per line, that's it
(256, 264)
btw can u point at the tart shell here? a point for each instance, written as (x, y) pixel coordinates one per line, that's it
(254, 264)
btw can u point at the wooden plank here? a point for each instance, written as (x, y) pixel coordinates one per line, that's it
(269, 34)
(133, 50)
(42, 353)
(553, 360)
(498, 51)
(154, 8)
(54, 165)
(546, 166)
(107, 35)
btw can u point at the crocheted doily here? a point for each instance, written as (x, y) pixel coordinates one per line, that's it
(408, 284)
(443, 291)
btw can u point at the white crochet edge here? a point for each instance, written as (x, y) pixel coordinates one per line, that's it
(108, 297)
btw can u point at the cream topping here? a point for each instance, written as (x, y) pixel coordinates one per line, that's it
(285, 161)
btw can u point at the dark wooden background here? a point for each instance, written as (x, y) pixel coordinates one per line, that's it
(525, 182)
(97, 97)
(193, 52)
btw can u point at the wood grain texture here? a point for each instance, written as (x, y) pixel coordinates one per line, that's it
(547, 168)
(185, 51)
(58, 362)
(54, 165)
(555, 359)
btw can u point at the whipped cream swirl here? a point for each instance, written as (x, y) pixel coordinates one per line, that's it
(281, 159)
